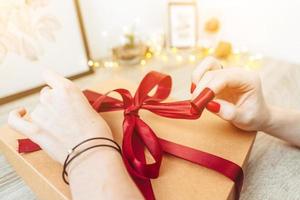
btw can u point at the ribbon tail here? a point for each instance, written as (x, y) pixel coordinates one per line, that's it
(223, 166)
(27, 146)
(144, 184)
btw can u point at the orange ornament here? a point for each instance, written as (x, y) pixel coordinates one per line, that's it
(212, 25)
(223, 49)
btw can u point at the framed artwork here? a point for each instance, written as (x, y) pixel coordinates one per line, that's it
(182, 24)
(35, 34)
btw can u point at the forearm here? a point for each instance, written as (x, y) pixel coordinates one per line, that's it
(284, 124)
(101, 175)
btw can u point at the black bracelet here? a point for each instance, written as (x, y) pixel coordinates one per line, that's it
(69, 159)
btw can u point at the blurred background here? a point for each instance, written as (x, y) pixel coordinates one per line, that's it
(76, 36)
(265, 27)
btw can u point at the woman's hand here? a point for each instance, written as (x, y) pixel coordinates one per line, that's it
(61, 120)
(65, 118)
(238, 92)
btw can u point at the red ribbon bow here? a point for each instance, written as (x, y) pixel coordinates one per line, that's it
(138, 135)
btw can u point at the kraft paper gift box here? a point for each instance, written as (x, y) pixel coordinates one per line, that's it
(178, 179)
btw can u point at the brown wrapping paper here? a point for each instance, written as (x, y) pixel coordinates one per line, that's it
(178, 179)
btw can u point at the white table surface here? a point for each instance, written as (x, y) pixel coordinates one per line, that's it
(273, 170)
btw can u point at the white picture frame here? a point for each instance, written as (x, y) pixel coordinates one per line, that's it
(182, 25)
(38, 34)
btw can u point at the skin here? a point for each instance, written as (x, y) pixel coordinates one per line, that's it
(64, 118)
(242, 103)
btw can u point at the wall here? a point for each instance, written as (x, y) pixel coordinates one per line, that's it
(263, 26)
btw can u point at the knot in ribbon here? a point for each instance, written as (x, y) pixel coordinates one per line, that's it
(138, 136)
(132, 110)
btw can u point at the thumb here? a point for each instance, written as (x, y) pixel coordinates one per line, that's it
(227, 110)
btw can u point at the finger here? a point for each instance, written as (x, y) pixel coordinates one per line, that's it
(54, 80)
(45, 95)
(207, 77)
(227, 110)
(209, 63)
(221, 79)
(17, 121)
(231, 78)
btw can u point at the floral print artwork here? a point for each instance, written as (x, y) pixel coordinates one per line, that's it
(24, 27)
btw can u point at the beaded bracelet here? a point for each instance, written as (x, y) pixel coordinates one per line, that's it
(70, 158)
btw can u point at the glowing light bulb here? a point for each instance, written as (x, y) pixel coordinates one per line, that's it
(174, 50)
(91, 63)
(192, 58)
(143, 62)
(96, 64)
(110, 64)
(148, 55)
(211, 50)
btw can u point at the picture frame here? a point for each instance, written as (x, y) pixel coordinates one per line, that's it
(182, 25)
(58, 42)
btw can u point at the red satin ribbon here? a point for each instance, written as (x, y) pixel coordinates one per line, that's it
(138, 135)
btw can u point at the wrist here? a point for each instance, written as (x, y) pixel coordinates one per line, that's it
(96, 175)
(269, 123)
(101, 159)
(102, 175)
(87, 154)
(91, 132)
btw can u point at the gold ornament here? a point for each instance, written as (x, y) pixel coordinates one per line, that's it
(223, 50)
(212, 25)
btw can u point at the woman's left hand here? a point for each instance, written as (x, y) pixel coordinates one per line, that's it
(62, 119)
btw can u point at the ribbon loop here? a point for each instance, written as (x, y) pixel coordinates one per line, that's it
(153, 80)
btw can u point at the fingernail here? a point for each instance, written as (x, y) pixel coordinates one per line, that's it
(213, 106)
(193, 87)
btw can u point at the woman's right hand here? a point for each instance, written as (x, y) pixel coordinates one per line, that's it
(238, 91)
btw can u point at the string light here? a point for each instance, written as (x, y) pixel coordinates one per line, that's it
(143, 62)
(192, 58)
(148, 55)
(174, 50)
(240, 56)
(156, 45)
(110, 64)
(96, 64)
(90, 63)
(211, 50)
